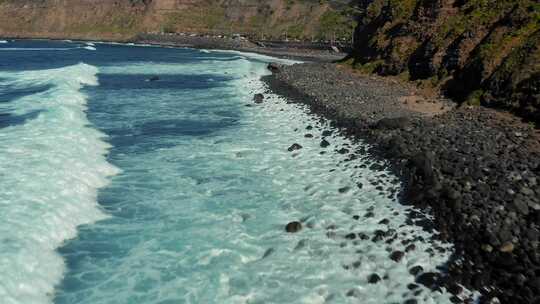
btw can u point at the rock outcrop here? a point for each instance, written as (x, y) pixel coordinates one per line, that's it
(477, 52)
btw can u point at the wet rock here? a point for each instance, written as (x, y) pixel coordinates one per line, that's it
(294, 147)
(344, 189)
(153, 78)
(274, 67)
(353, 293)
(428, 279)
(324, 143)
(410, 247)
(363, 236)
(384, 221)
(293, 227)
(258, 98)
(412, 286)
(416, 270)
(396, 256)
(308, 135)
(411, 301)
(350, 236)
(374, 278)
(326, 133)
(343, 151)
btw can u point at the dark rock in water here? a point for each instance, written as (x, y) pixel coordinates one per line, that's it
(258, 98)
(294, 147)
(416, 270)
(350, 236)
(374, 278)
(411, 301)
(324, 143)
(326, 133)
(274, 67)
(293, 227)
(411, 247)
(343, 151)
(397, 256)
(308, 135)
(392, 123)
(412, 286)
(428, 279)
(454, 288)
(344, 189)
(153, 78)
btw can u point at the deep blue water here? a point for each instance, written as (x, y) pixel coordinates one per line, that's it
(116, 189)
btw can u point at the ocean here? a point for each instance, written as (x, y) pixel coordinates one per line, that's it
(141, 174)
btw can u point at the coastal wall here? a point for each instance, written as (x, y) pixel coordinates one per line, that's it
(477, 52)
(122, 19)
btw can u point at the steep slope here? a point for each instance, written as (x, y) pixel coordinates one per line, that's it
(479, 51)
(122, 19)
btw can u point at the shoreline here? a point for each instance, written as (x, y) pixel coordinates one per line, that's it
(211, 43)
(476, 170)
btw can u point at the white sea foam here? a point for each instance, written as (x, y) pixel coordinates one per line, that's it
(224, 199)
(3, 41)
(37, 49)
(90, 48)
(52, 166)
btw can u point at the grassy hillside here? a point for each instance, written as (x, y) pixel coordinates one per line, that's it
(302, 19)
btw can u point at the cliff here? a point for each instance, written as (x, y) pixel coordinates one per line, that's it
(477, 52)
(122, 19)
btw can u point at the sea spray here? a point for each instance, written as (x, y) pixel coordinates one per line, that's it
(52, 166)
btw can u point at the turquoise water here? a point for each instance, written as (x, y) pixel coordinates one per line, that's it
(116, 189)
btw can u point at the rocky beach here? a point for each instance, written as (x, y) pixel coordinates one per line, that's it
(475, 170)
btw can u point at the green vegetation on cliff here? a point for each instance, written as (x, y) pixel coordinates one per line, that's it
(480, 51)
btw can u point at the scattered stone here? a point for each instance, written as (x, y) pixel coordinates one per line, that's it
(350, 236)
(274, 67)
(507, 247)
(487, 248)
(396, 256)
(258, 98)
(293, 227)
(324, 143)
(374, 278)
(416, 270)
(428, 279)
(344, 189)
(410, 247)
(308, 135)
(294, 147)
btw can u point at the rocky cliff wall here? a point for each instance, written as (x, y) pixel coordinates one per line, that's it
(478, 52)
(122, 19)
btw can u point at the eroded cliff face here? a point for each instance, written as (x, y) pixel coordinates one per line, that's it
(478, 51)
(122, 19)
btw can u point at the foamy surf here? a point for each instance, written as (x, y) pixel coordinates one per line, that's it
(52, 167)
(3, 41)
